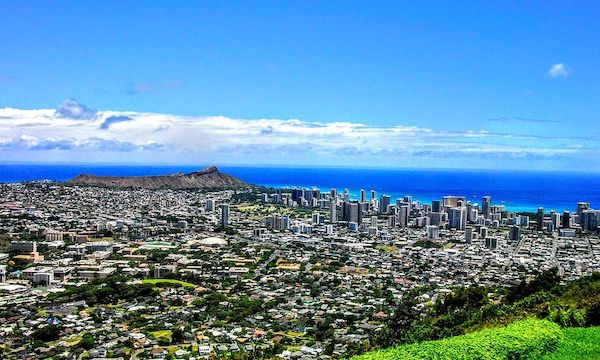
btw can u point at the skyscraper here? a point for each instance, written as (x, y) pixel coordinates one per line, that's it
(363, 197)
(224, 215)
(452, 201)
(403, 216)
(408, 200)
(486, 206)
(515, 233)
(436, 206)
(581, 207)
(355, 214)
(589, 220)
(383, 203)
(566, 220)
(333, 212)
(458, 218)
(333, 193)
(469, 235)
(555, 219)
(540, 218)
(210, 205)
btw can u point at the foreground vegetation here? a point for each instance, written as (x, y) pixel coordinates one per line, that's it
(525, 339)
(480, 315)
(465, 310)
(578, 344)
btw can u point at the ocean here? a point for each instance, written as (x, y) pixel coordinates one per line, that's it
(518, 190)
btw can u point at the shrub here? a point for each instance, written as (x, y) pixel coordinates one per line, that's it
(525, 339)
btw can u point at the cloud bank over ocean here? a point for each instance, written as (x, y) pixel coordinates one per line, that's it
(74, 132)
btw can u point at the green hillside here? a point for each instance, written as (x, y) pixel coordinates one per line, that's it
(525, 339)
(475, 322)
(578, 344)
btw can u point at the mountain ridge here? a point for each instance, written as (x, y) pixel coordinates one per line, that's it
(209, 177)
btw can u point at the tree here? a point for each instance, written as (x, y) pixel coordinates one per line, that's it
(177, 336)
(47, 333)
(87, 341)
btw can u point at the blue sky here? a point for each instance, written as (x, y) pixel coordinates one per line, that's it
(527, 73)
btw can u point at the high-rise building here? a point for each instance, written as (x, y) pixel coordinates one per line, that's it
(345, 211)
(436, 206)
(491, 242)
(436, 218)
(285, 222)
(316, 218)
(374, 221)
(316, 193)
(486, 206)
(373, 195)
(363, 197)
(452, 201)
(483, 232)
(355, 212)
(566, 220)
(457, 217)
(590, 219)
(540, 218)
(333, 193)
(515, 233)
(581, 207)
(210, 205)
(392, 221)
(297, 194)
(224, 215)
(328, 229)
(403, 216)
(433, 232)
(332, 212)
(384, 201)
(408, 200)
(555, 217)
(469, 235)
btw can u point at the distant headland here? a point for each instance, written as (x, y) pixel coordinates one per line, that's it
(209, 177)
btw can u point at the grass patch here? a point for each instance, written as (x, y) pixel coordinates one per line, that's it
(525, 339)
(579, 344)
(166, 282)
(386, 248)
(161, 334)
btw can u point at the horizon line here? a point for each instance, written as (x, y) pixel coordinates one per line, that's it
(293, 166)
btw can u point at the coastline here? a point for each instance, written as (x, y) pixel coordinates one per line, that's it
(519, 191)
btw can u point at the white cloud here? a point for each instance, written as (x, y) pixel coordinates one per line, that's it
(71, 109)
(166, 138)
(559, 70)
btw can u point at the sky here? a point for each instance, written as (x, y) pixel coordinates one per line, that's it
(478, 84)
